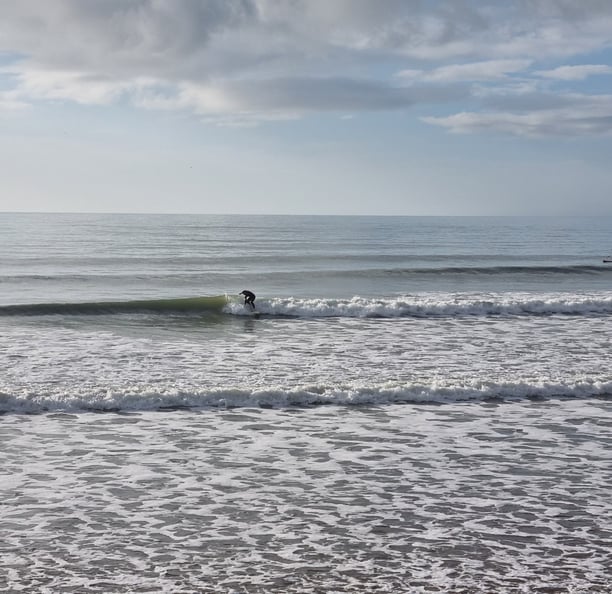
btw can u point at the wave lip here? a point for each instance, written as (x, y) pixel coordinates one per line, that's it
(160, 306)
(145, 399)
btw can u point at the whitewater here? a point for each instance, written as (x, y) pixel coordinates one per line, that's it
(415, 405)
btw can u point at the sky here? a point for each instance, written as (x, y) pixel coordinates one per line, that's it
(374, 107)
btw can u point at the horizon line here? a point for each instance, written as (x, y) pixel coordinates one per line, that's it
(281, 214)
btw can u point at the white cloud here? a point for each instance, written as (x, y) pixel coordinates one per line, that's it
(40, 84)
(10, 103)
(473, 71)
(579, 72)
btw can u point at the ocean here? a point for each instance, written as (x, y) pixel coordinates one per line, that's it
(417, 404)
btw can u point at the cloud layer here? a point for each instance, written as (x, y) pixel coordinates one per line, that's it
(516, 67)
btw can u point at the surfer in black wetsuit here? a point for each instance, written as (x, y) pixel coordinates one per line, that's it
(249, 298)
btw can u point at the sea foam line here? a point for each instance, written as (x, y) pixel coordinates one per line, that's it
(145, 398)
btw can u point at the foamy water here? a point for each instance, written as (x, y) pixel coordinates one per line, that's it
(296, 355)
(510, 497)
(415, 405)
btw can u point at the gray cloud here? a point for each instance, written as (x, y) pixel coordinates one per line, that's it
(283, 58)
(582, 115)
(150, 33)
(139, 37)
(332, 94)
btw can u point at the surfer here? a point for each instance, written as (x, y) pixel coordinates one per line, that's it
(249, 298)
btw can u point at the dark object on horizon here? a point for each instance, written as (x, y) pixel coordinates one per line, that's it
(249, 298)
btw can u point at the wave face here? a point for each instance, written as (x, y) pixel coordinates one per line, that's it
(192, 305)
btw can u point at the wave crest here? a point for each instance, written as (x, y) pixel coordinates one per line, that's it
(144, 398)
(430, 306)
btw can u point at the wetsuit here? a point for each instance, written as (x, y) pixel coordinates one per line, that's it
(249, 298)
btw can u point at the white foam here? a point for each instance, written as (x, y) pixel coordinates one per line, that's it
(142, 398)
(281, 362)
(434, 305)
(407, 498)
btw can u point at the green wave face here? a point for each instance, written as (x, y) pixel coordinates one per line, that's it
(195, 305)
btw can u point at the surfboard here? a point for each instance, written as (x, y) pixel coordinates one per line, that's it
(253, 313)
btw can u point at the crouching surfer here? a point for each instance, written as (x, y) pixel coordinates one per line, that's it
(249, 298)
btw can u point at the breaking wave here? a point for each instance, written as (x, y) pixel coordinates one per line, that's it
(417, 306)
(141, 398)
(431, 306)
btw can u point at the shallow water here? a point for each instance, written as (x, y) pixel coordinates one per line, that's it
(493, 497)
(417, 405)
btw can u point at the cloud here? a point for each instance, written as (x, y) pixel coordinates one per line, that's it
(583, 115)
(252, 99)
(473, 71)
(246, 101)
(199, 38)
(10, 103)
(248, 60)
(575, 72)
(42, 84)
(140, 37)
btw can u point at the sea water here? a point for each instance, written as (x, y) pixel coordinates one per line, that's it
(415, 405)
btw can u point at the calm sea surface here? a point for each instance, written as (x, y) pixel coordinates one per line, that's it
(158, 436)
